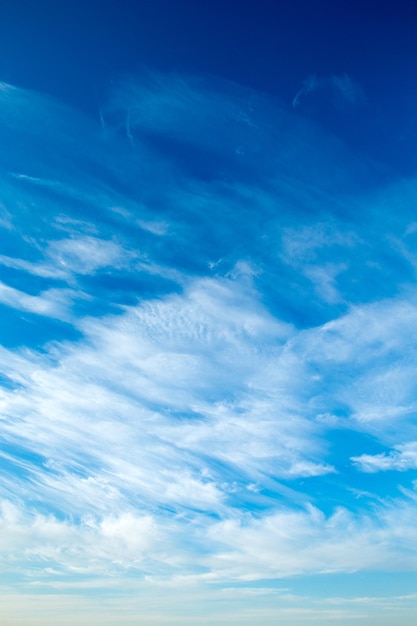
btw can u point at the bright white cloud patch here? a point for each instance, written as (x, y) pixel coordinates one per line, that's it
(208, 342)
(401, 459)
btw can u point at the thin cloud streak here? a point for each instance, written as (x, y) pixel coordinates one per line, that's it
(340, 89)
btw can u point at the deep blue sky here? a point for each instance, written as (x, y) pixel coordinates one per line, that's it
(74, 50)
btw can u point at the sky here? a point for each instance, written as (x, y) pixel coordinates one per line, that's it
(208, 338)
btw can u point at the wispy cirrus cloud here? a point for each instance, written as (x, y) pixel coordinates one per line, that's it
(341, 90)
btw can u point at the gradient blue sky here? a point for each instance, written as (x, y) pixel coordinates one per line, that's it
(208, 339)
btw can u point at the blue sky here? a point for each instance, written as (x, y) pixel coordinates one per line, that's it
(208, 299)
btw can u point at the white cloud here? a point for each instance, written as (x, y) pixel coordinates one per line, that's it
(75, 255)
(402, 458)
(304, 243)
(324, 280)
(289, 542)
(85, 255)
(51, 303)
(149, 431)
